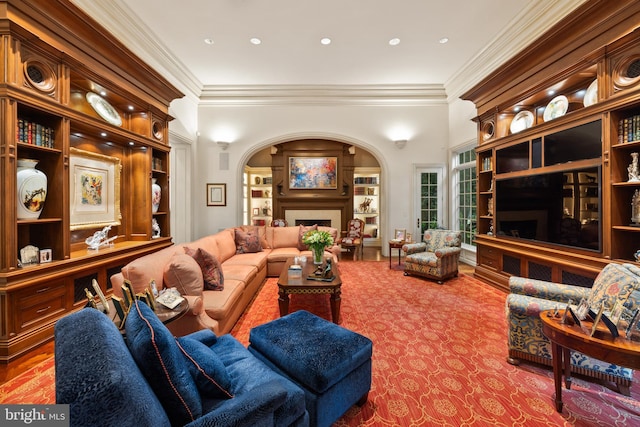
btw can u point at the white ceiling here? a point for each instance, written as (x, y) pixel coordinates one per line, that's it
(169, 34)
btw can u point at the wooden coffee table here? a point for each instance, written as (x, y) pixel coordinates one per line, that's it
(287, 286)
(601, 346)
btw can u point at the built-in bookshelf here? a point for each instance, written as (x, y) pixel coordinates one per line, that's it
(366, 202)
(93, 118)
(259, 195)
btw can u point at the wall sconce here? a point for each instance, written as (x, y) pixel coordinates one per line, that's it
(400, 143)
(223, 145)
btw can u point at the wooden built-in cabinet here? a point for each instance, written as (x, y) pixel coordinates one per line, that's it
(52, 56)
(561, 162)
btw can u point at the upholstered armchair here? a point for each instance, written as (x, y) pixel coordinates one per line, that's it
(352, 238)
(616, 283)
(436, 257)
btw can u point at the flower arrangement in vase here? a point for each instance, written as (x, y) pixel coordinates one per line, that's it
(317, 240)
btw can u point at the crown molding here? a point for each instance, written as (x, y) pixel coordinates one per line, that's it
(534, 20)
(324, 94)
(117, 18)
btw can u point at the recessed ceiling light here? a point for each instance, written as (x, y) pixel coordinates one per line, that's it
(255, 40)
(208, 41)
(325, 40)
(103, 134)
(394, 41)
(131, 107)
(443, 40)
(551, 92)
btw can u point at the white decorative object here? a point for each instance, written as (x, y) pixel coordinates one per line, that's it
(100, 238)
(155, 227)
(156, 195)
(634, 169)
(635, 208)
(32, 189)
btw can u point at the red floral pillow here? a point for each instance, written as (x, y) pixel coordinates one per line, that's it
(210, 266)
(248, 242)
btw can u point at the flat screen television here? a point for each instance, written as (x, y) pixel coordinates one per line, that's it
(560, 208)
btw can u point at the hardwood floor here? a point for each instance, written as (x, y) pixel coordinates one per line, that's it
(23, 363)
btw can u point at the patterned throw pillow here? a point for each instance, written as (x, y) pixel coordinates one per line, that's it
(301, 232)
(247, 242)
(206, 368)
(613, 285)
(211, 268)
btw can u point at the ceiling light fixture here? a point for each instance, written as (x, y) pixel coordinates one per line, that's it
(325, 41)
(394, 41)
(443, 40)
(208, 41)
(255, 40)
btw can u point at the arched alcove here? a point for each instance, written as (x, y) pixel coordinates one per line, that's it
(284, 199)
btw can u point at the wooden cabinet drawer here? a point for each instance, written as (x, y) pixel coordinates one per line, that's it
(38, 304)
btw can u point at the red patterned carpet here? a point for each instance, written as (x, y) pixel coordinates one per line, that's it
(439, 357)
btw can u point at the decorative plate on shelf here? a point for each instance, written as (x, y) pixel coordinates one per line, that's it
(591, 95)
(556, 108)
(523, 120)
(104, 109)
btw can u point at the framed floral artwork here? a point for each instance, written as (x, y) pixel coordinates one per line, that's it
(95, 189)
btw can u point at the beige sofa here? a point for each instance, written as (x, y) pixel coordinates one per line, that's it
(243, 274)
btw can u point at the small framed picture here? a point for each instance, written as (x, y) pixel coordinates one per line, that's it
(256, 211)
(400, 234)
(216, 194)
(46, 255)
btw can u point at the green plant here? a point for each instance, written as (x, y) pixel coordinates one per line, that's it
(317, 239)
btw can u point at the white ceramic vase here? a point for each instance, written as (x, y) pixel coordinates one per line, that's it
(32, 189)
(156, 195)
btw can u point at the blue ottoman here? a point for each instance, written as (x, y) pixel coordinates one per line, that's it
(331, 364)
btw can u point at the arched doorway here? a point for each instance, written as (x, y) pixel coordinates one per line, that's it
(268, 192)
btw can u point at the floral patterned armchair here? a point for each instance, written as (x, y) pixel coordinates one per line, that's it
(353, 238)
(615, 283)
(436, 257)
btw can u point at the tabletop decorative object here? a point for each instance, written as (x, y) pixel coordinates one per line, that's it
(635, 208)
(634, 169)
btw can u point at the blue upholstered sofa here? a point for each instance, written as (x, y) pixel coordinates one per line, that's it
(615, 283)
(436, 257)
(154, 379)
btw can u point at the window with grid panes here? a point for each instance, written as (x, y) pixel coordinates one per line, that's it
(465, 188)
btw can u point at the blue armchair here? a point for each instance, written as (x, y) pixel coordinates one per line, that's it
(153, 379)
(616, 283)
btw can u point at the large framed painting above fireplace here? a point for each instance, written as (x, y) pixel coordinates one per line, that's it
(313, 173)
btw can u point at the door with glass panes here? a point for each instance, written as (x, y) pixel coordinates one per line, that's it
(429, 201)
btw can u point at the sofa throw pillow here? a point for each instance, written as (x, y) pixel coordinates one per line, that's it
(247, 242)
(301, 232)
(210, 266)
(206, 368)
(161, 362)
(183, 273)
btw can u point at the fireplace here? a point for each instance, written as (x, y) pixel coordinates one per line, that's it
(319, 222)
(323, 217)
